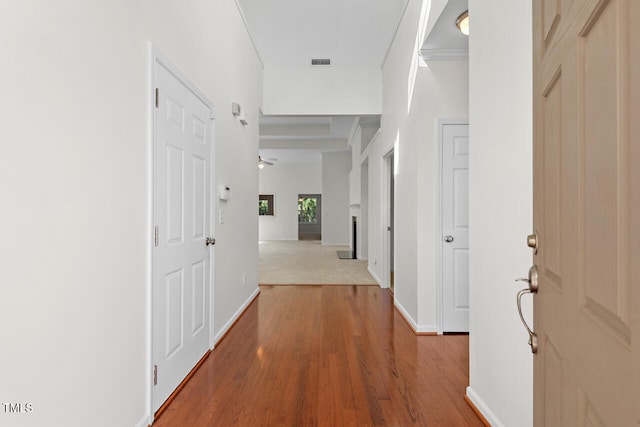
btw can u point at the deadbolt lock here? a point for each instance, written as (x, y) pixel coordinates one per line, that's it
(532, 242)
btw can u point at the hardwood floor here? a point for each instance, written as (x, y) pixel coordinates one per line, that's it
(327, 356)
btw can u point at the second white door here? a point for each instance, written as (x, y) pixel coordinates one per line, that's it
(455, 228)
(181, 272)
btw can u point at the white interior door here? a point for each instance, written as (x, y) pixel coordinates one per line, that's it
(181, 270)
(387, 216)
(455, 227)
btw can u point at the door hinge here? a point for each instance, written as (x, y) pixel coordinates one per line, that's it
(155, 374)
(157, 98)
(157, 236)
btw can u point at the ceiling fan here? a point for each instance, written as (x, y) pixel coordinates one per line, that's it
(262, 161)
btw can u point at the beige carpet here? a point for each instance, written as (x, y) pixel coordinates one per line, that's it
(307, 262)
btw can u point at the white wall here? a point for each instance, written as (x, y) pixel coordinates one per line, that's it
(447, 86)
(500, 208)
(355, 175)
(411, 110)
(336, 221)
(73, 178)
(286, 181)
(355, 144)
(73, 175)
(322, 90)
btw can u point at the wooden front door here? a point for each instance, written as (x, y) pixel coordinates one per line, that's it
(587, 212)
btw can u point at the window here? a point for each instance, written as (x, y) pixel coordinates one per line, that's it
(307, 210)
(265, 204)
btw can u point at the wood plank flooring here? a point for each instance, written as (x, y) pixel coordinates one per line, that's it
(327, 356)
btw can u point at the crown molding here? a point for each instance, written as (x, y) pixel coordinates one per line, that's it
(444, 54)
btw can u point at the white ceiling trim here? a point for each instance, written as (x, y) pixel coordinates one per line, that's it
(395, 33)
(444, 55)
(246, 26)
(304, 145)
(310, 138)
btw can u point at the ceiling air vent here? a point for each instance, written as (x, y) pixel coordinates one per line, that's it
(320, 61)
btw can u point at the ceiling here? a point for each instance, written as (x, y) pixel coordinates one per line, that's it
(319, 133)
(352, 33)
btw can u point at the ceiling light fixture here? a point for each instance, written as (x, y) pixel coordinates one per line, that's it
(463, 22)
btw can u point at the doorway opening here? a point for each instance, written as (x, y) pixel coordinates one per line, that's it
(309, 217)
(354, 236)
(388, 215)
(352, 254)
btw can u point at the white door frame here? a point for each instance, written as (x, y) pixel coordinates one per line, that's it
(438, 240)
(363, 223)
(385, 236)
(157, 58)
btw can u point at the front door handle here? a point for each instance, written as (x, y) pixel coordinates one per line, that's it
(448, 239)
(210, 241)
(532, 280)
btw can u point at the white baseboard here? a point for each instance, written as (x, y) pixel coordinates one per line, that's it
(420, 329)
(235, 316)
(427, 329)
(406, 315)
(144, 422)
(483, 408)
(335, 244)
(375, 277)
(278, 239)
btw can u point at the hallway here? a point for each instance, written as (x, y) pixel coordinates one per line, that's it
(326, 356)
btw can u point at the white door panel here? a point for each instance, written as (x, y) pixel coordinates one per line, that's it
(181, 276)
(455, 228)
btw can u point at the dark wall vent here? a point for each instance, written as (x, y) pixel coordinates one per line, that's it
(321, 61)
